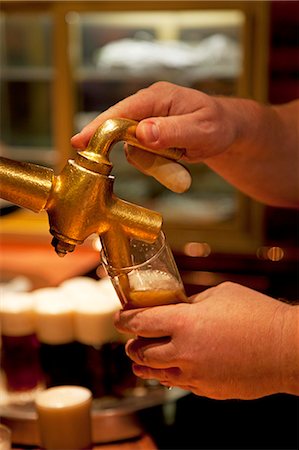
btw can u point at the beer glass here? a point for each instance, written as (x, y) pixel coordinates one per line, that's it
(20, 347)
(5, 437)
(62, 358)
(152, 279)
(64, 418)
(95, 303)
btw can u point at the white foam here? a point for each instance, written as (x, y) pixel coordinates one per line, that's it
(95, 303)
(63, 396)
(17, 317)
(144, 280)
(54, 316)
(78, 284)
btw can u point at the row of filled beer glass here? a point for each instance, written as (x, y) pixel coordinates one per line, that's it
(64, 335)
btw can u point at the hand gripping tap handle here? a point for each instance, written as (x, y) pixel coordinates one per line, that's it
(115, 130)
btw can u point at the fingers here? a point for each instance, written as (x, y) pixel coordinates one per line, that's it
(168, 377)
(81, 139)
(172, 376)
(157, 353)
(156, 102)
(148, 102)
(155, 322)
(171, 131)
(199, 133)
(172, 175)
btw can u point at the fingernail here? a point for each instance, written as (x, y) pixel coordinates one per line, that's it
(137, 369)
(127, 351)
(150, 131)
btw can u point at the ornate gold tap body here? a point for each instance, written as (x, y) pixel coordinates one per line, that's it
(80, 200)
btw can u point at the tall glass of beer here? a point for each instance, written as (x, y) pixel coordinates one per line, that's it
(20, 347)
(95, 303)
(62, 357)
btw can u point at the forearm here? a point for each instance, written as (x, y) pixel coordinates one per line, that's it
(263, 159)
(290, 350)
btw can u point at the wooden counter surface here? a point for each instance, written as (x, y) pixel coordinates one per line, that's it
(143, 442)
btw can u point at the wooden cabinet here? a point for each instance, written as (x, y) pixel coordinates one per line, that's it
(63, 62)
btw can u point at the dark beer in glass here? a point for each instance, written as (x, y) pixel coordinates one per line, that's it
(20, 347)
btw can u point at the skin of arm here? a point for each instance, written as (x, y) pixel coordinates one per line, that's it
(253, 146)
(229, 342)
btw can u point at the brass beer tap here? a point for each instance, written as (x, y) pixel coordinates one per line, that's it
(80, 200)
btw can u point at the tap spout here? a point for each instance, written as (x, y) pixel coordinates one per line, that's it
(25, 184)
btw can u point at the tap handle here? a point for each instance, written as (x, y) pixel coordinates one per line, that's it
(170, 153)
(115, 130)
(172, 175)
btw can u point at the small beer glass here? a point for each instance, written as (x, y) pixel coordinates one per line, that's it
(64, 418)
(152, 279)
(5, 437)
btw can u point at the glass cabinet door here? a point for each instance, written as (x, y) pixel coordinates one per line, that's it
(26, 82)
(115, 54)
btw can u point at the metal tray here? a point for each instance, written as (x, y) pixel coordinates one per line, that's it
(113, 419)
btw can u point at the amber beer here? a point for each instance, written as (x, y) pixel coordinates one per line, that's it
(64, 418)
(150, 288)
(141, 299)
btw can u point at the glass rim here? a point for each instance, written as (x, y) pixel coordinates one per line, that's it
(44, 397)
(5, 429)
(135, 266)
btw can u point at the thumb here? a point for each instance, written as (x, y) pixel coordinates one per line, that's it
(165, 132)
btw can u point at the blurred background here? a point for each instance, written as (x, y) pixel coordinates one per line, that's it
(64, 62)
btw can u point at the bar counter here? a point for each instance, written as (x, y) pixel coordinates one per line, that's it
(143, 442)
